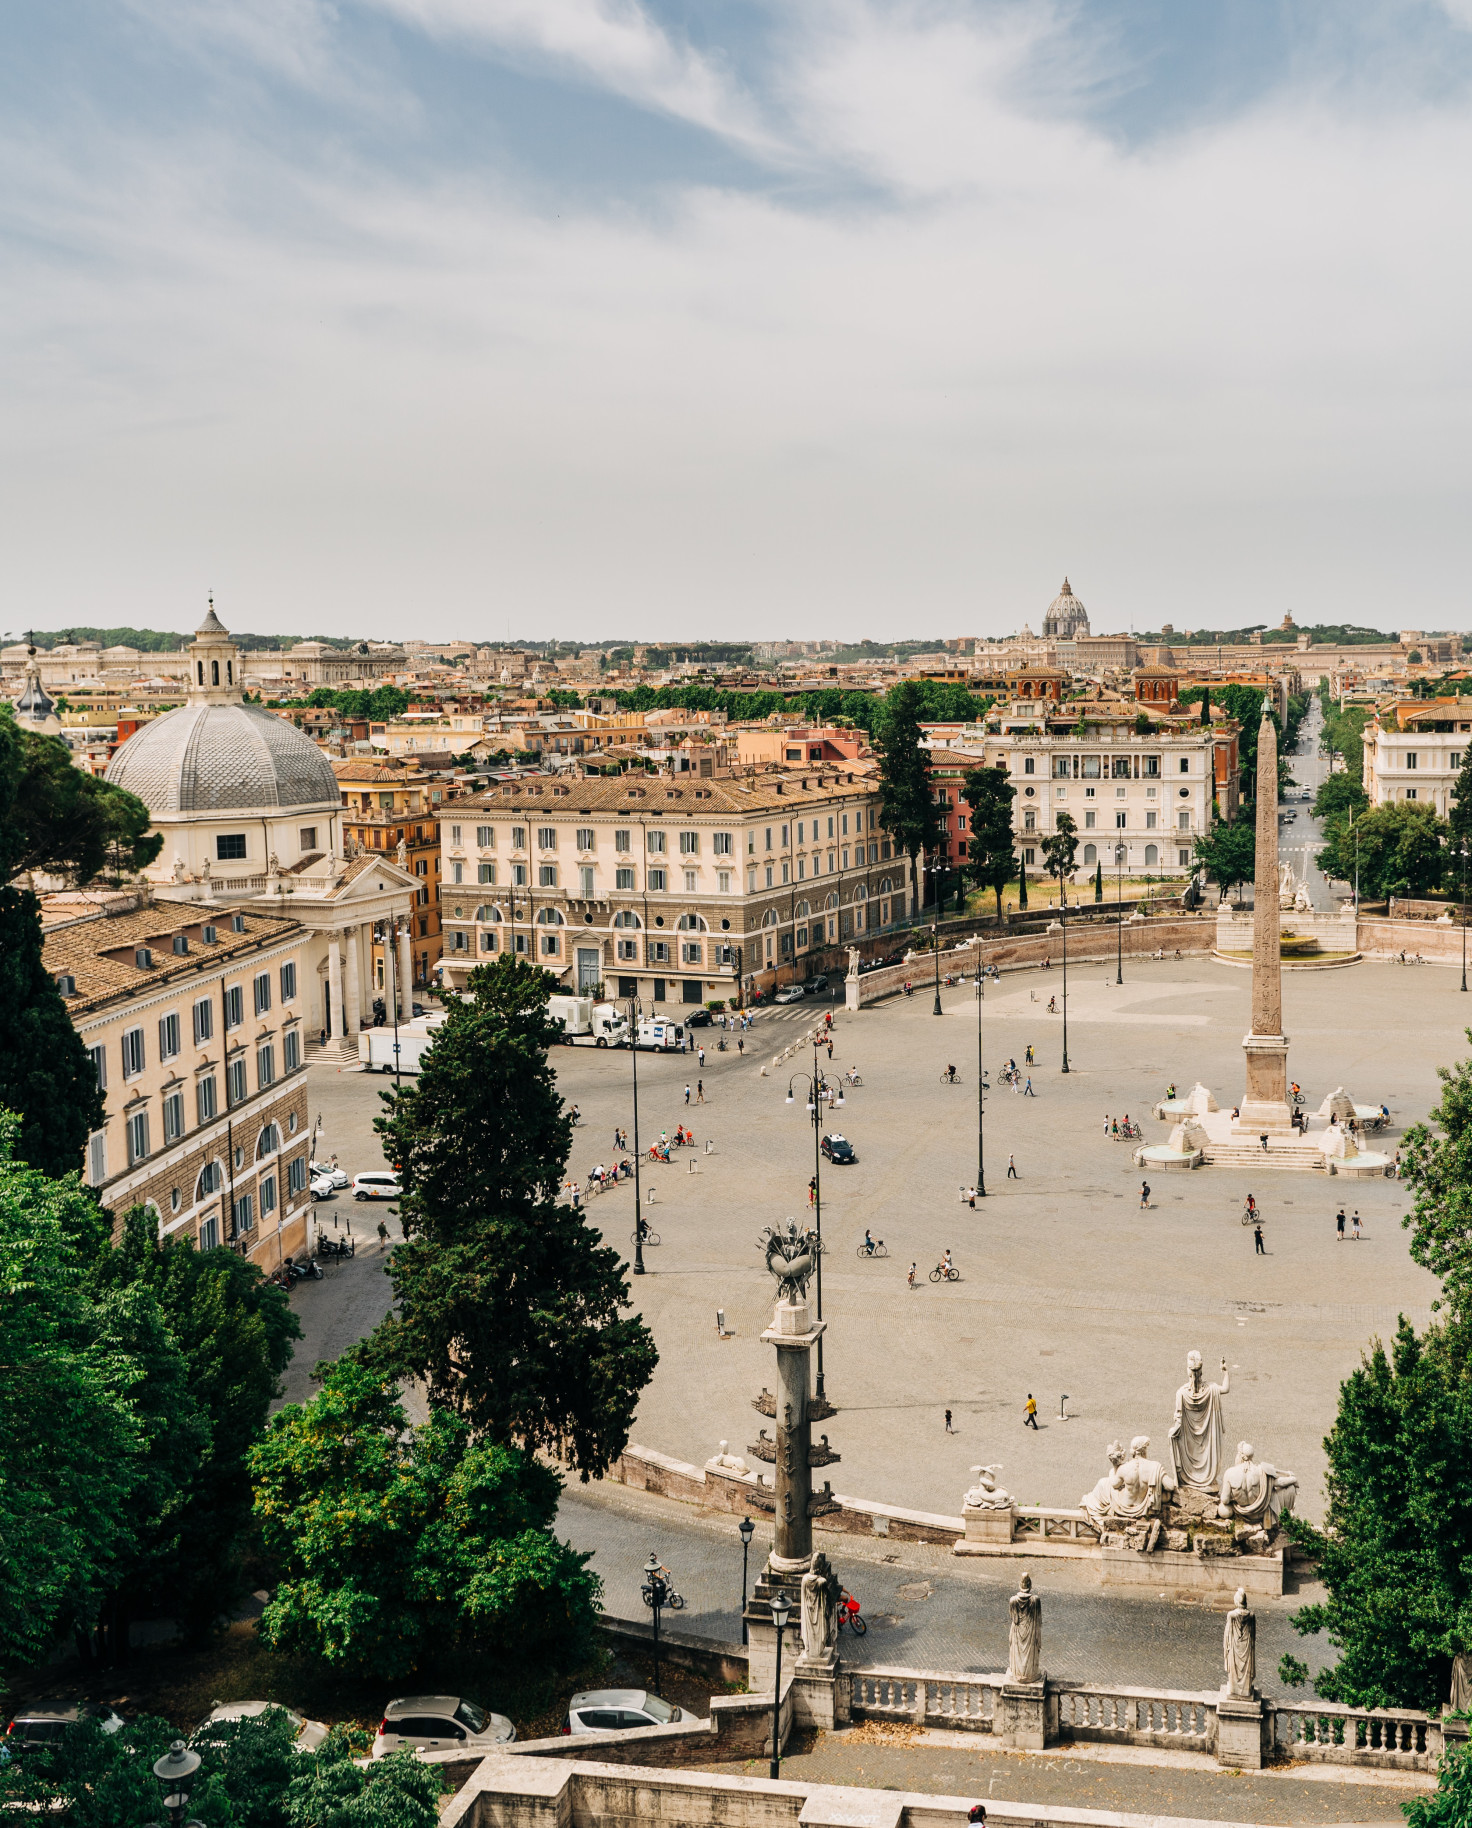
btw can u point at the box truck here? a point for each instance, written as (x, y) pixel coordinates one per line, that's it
(586, 1022)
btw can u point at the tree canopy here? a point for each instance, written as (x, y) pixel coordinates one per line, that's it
(1061, 846)
(46, 1074)
(509, 1306)
(395, 1544)
(1401, 846)
(59, 820)
(907, 808)
(1228, 851)
(989, 850)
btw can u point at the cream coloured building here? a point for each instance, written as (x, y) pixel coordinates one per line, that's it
(1415, 750)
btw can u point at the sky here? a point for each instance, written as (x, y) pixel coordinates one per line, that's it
(828, 319)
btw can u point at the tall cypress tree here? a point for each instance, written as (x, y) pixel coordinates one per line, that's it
(989, 794)
(509, 1306)
(907, 807)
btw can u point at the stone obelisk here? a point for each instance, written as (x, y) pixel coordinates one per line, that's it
(1264, 1107)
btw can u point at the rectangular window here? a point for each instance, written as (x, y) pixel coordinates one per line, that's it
(518, 875)
(1060, 766)
(628, 949)
(659, 952)
(1120, 819)
(229, 847)
(722, 843)
(268, 1195)
(546, 837)
(845, 859)
(205, 1102)
(784, 870)
(97, 1158)
(1089, 817)
(98, 1056)
(1121, 768)
(1029, 820)
(1410, 758)
(234, 1006)
(1089, 767)
(549, 945)
(546, 875)
(488, 940)
(1151, 768)
(623, 879)
(209, 1232)
(132, 1053)
(291, 1050)
(263, 992)
(296, 1175)
(137, 1137)
(245, 1212)
(769, 837)
(1149, 821)
(1183, 857)
(173, 1117)
(623, 839)
(1184, 821)
(265, 1066)
(1027, 765)
(518, 837)
(656, 879)
(655, 842)
(586, 838)
(485, 836)
(769, 875)
(689, 843)
(307, 838)
(1185, 764)
(585, 881)
(235, 1092)
(830, 828)
(690, 952)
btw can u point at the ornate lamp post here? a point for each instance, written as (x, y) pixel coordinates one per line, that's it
(781, 1609)
(655, 1591)
(1063, 923)
(1463, 912)
(175, 1772)
(746, 1529)
(980, 1086)
(819, 1087)
(1119, 856)
(638, 1203)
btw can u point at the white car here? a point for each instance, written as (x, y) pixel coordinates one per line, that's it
(309, 1733)
(794, 993)
(328, 1171)
(439, 1723)
(323, 1187)
(604, 1710)
(380, 1185)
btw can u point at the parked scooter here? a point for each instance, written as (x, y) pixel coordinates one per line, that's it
(336, 1247)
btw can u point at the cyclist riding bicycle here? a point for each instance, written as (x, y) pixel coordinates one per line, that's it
(911, 1277)
(868, 1243)
(950, 1073)
(945, 1262)
(1251, 1204)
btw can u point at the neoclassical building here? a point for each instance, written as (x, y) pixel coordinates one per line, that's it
(251, 811)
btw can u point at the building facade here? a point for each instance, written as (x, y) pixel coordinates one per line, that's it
(673, 891)
(1415, 750)
(196, 1023)
(388, 807)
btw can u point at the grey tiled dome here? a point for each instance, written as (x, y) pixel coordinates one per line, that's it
(223, 758)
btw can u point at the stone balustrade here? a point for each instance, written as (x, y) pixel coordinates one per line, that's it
(925, 1697)
(1395, 1739)
(1163, 1719)
(1044, 1523)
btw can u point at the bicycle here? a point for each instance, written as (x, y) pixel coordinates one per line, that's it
(853, 1077)
(849, 1614)
(877, 1249)
(938, 1274)
(650, 1237)
(1252, 1215)
(950, 1078)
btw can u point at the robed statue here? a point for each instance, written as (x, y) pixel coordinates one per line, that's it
(1025, 1634)
(1196, 1433)
(1239, 1649)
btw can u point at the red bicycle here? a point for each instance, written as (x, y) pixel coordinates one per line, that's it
(849, 1615)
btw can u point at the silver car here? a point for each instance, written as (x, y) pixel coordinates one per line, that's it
(440, 1723)
(604, 1710)
(309, 1733)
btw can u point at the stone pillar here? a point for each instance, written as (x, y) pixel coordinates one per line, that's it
(405, 971)
(1264, 1107)
(334, 985)
(353, 1000)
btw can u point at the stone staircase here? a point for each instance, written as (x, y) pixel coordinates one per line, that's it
(338, 1053)
(1299, 1157)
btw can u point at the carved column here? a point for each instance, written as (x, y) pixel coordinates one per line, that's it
(405, 972)
(334, 985)
(353, 1002)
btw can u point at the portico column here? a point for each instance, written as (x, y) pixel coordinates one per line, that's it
(406, 970)
(334, 985)
(353, 1002)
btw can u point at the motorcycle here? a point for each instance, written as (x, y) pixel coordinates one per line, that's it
(308, 1270)
(336, 1247)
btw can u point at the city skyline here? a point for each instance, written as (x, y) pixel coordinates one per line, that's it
(496, 319)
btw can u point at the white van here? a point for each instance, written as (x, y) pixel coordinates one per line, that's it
(381, 1185)
(663, 1035)
(376, 1045)
(584, 1021)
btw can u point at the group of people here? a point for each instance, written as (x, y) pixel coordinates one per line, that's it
(1121, 1128)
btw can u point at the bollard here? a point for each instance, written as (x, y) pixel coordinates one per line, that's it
(710, 1147)
(692, 1166)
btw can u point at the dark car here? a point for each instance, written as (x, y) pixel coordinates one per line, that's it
(839, 1149)
(815, 986)
(45, 1722)
(699, 1018)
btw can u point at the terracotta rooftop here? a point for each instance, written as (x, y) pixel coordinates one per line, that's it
(692, 796)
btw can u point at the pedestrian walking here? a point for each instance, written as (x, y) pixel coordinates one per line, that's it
(911, 1277)
(813, 1190)
(1144, 1196)
(382, 1235)
(702, 1059)
(830, 1047)
(687, 1093)
(973, 1199)
(1259, 1249)
(1028, 1092)
(828, 1018)
(1030, 1412)
(1263, 1139)
(1012, 1174)
(1355, 1221)
(949, 1429)
(700, 1091)
(740, 1044)
(1107, 1121)
(1339, 1225)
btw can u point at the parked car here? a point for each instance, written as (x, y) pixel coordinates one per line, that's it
(323, 1187)
(439, 1723)
(604, 1710)
(380, 1185)
(329, 1171)
(699, 1018)
(837, 1148)
(45, 1722)
(817, 985)
(309, 1733)
(794, 993)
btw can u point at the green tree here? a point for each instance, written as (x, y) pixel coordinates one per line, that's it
(1459, 819)
(56, 819)
(907, 807)
(1437, 1163)
(1060, 849)
(989, 850)
(1099, 880)
(509, 1307)
(1340, 795)
(1401, 848)
(1450, 1803)
(46, 1074)
(1228, 852)
(1021, 887)
(392, 1545)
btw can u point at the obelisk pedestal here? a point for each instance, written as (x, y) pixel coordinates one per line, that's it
(1265, 1110)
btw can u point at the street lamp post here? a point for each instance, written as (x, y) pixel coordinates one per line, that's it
(638, 1203)
(746, 1529)
(655, 1593)
(175, 1772)
(1463, 912)
(1119, 855)
(980, 1087)
(818, 1087)
(935, 948)
(1063, 923)
(781, 1609)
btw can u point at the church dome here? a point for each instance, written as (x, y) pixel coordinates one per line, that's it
(208, 758)
(1066, 618)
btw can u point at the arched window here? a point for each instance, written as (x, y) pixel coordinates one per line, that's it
(488, 914)
(214, 672)
(832, 901)
(860, 892)
(268, 1142)
(1152, 855)
(691, 923)
(211, 1180)
(200, 665)
(549, 917)
(769, 919)
(625, 919)
(803, 910)
(1091, 853)
(886, 887)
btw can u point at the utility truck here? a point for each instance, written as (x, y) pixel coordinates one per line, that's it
(585, 1022)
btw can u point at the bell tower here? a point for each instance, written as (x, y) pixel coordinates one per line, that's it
(214, 664)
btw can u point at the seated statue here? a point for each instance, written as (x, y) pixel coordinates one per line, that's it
(986, 1494)
(1098, 1504)
(1255, 1492)
(1132, 1491)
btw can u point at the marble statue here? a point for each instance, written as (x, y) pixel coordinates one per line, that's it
(1254, 1491)
(986, 1494)
(1239, 1649)
(1460, 1699)
(1025, 1634)
(1098, 1505)
(1303, 901)
(401, 854)
(179, 871)
(1286, 886)
(1196, 1433)
(820, 1592)
(792, 1257)
(1139, 1483)
(853, 961)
